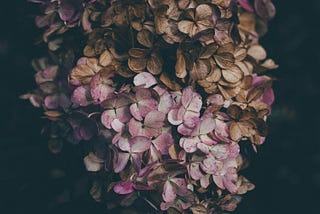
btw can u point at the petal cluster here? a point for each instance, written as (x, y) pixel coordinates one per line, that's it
(166, 97)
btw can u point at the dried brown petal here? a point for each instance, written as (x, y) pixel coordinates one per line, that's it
(137, 64)
(82, 73)
(257, 52)
(180, 67)
(246, 82)
(89, 51)
(154, 64)
(187, 27)
(255, 93)
(234, 112)
(224, 60)
(212, 89)
(55, 145)
(208, 51)
(198, 209)
(233, 74)
(200, 70)
(138, 53)
(235, 131)
(204, 83)
(183, 4)
(105, 58)
(145, 38)
(173, 85)
(215, 73)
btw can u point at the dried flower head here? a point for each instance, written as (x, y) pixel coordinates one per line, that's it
(165, 93)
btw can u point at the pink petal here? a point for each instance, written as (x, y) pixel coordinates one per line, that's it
(52, 101)
(139, 144)
(191, 119)
(154, 119)
(194, 171)
(124, 144)
(189, 144)
(124, 187)
(136, 128)
(99, 89)
(220, 151)
(144, 79)
(207, 125)
(184, 130)
(218, 180)
(135, 111)
(268, 97)
(187, 95)
(163, 142)
(92, 163)
(147, 105)
(120, 161)
(165, 103)
(196, 103)
(205, 139)
(136, 162)
(204, 148)
(216, 99)
(117, 125)
(173, 117)
(205, 181)
(123, 114)
(246, 5)
(107, 117)
(168, 194)
(211, 166)
(81, 96)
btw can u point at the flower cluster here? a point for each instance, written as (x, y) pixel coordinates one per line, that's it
(165, 94)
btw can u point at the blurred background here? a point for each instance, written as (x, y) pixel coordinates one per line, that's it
(286, 171)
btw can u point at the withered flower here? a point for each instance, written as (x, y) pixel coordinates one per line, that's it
(164, 92)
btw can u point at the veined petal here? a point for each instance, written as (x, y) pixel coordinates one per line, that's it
(120, 161)
(139, 144)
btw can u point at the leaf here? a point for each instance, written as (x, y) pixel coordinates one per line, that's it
(235, 131)
(224, 60)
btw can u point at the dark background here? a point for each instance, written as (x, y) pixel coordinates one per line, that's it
(286, 170)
